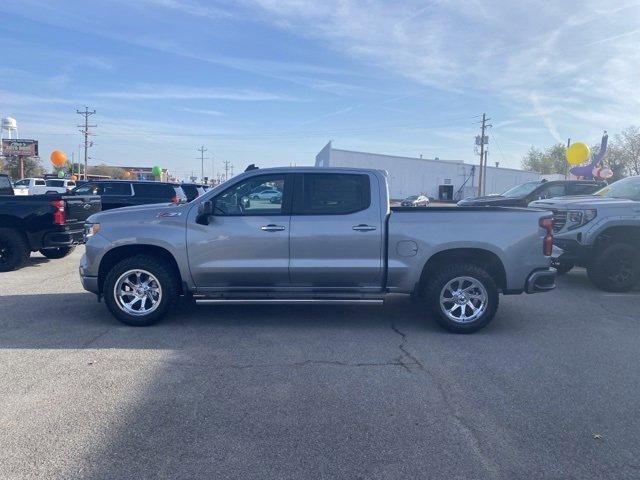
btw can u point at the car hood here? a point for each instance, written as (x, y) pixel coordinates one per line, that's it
(137, 211)
(583, 201)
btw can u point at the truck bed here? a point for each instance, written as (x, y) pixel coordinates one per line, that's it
(513, 235)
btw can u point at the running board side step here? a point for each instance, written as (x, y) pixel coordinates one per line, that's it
(284, 301)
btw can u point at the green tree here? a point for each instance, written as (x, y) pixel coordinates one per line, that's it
(32, 167)
(551, 160)
(624, 153)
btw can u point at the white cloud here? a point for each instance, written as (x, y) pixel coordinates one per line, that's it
(182, 92)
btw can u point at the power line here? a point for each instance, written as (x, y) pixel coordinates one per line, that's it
(85, 131)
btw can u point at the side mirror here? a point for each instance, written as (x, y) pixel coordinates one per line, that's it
(205, 210)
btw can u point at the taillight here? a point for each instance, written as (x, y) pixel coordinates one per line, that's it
(547, 242)
(58, 214)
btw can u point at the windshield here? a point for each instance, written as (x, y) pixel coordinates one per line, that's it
(521, 190)
(628, 188)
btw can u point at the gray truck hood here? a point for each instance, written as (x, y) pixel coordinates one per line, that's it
(583, 201)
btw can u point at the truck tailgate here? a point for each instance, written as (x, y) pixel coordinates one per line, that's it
(80, 207)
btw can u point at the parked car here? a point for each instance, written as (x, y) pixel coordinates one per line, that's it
(192, 190)
(6, 188)
(522, 195)
(30, 186)
(333, 238)
(266, 194)
(123, 193)
(52, 224)
(415, 201)
(600, 232)
(60, 185)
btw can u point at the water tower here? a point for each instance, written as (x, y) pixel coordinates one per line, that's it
(11, 126)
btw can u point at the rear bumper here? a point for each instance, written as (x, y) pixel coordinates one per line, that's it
(63, 239)
(541, 280)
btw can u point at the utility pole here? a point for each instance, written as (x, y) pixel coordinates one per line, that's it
(85, 131)
(226, 170)
(481, 141)
(202, 149)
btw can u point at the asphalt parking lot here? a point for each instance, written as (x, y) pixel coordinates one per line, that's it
(551, 389)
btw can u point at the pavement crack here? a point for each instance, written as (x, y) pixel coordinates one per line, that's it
(406, 354)
(301, 364)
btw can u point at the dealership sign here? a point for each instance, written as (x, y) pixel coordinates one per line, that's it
(19, 148)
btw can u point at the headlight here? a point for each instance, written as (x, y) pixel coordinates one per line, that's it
(578, 218)
(90, 229)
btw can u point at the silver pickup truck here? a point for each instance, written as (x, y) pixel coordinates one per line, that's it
(310, 235)
(600, 232)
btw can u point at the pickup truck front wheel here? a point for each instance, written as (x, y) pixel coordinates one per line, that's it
(616, 268)
(463, 297)
(14, 250)
(140, 290)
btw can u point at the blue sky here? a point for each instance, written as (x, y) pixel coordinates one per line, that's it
(271, 81)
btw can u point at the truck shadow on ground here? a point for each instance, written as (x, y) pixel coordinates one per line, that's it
(74, 320)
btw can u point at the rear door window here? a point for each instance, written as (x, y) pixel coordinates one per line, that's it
(150, 190)
(114, 189)
(550, 191)
(331, 194)
(40, 182)
(582, 189)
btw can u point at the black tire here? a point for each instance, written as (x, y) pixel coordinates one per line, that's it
(57, 252)
(446, 274)
(14, 250)
(165, 276)
(616, 268)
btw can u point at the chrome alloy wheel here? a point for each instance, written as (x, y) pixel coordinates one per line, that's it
(463, 299)
(137, 292)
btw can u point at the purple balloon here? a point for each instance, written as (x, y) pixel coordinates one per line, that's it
(586, 171)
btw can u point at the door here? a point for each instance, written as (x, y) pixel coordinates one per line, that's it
(246, 243)
(336, 232)
(39, 187)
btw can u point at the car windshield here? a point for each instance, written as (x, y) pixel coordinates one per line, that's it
(628, 188)
(412, 197)
(521, 190)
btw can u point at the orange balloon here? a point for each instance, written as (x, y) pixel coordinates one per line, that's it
(58, 158)
(74, 178)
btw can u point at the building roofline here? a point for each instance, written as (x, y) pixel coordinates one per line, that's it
(448, 162)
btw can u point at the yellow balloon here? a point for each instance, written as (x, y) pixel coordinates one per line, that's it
(578, 153)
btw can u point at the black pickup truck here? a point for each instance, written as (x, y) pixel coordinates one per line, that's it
(52, 224)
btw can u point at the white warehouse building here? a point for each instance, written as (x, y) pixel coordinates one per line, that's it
(439, 179)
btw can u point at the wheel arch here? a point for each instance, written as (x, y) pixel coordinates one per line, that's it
(477, 256)
(115, 255)
(619, 233)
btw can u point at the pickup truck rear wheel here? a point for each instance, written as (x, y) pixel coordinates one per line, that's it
(463, 297)
(140, 290)
(14, 250)
(616, 268)
(57, 252)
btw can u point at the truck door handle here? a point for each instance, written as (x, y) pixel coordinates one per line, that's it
(363, 228)
(272, 228)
